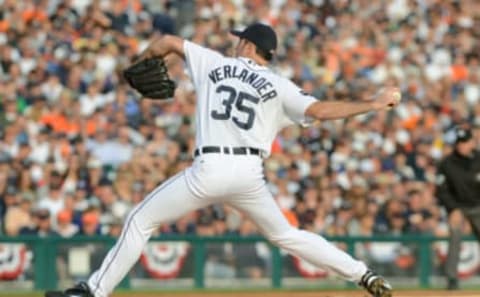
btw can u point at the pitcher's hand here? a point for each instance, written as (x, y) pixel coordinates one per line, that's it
(387, 98)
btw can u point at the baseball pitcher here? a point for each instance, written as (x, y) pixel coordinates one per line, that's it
(241, 107)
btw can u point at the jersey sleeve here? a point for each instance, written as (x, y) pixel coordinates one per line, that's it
(199, 60)
(295, 102)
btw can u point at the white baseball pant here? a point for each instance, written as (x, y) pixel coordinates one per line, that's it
(236, 180)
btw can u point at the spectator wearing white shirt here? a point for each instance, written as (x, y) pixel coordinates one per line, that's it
(113, 152)
(41, 147)
(9, 143)
(92, 100)
(52, 88)
(54, 202)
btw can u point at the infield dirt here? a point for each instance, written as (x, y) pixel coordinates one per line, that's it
(401, 293)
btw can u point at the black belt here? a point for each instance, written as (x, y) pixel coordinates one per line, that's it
(227, 150)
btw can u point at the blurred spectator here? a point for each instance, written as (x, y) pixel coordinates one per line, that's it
(65, 227)
(111, 206)
(90, 223)
(9, 199)
(115, 228)
(18, 215)
(40, 225)
(391, 218)
(112, 152)
(219, 262)
(248, 262)
(54, 202)
(417, 213)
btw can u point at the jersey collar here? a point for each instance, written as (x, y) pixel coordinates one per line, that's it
(251, 63)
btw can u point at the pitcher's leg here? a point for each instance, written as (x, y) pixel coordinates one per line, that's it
(312, 247)
(169, 201)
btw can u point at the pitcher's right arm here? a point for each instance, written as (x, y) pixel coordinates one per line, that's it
(330, 110)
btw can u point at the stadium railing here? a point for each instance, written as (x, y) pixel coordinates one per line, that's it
(45, 250)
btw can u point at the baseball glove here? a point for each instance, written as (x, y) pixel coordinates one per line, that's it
(150, 78)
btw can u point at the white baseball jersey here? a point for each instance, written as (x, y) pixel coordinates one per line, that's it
(241, 103)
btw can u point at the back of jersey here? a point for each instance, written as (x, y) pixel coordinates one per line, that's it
(240, 103)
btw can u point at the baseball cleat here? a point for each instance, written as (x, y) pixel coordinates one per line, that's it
(80, 290)
(375, 284)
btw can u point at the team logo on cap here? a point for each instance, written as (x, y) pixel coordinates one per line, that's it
(440, 179)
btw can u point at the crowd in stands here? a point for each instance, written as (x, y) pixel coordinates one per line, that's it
(79, 148)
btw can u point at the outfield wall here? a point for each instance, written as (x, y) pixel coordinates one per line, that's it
(172, 262)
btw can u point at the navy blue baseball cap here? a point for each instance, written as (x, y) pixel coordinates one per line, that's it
(462, 134)
(261, 35)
